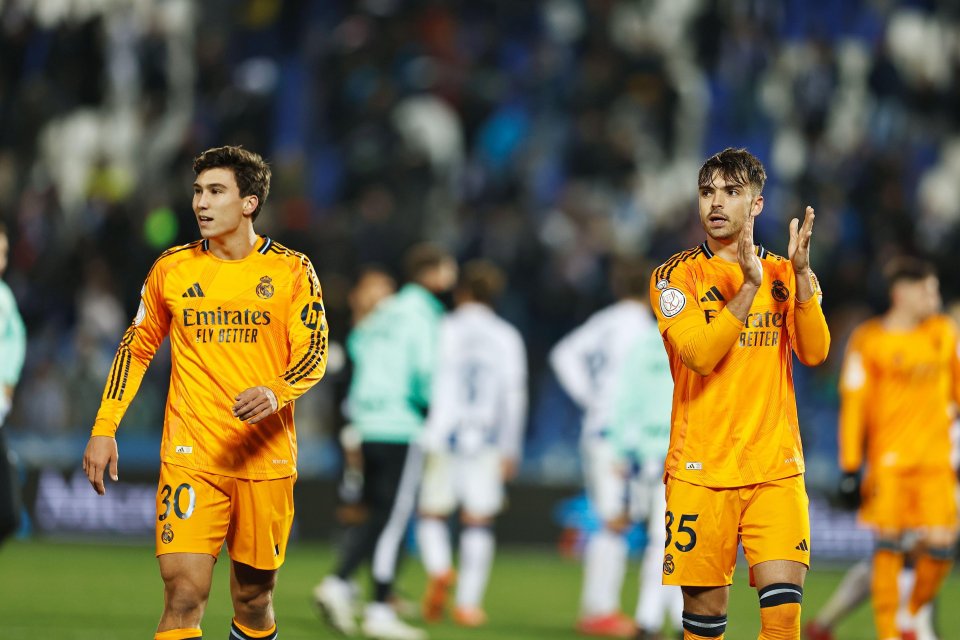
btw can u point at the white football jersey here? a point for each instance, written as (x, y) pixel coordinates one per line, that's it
(587, 361)
(479, 395)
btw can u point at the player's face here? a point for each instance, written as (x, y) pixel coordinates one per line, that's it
(930, 292)
(217, 203)
(725, 205)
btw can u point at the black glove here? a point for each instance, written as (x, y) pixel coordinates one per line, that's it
(848, 491)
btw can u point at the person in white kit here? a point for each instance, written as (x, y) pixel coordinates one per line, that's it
(473, 438)
(641, 434)
(587, 363)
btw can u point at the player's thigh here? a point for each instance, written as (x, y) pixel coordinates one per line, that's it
(437, 497)
(261, 518)
(933, 503)
(481, 484)
(701, 527)
(775, 522)
(193, 511)
(605, 482)
(186, 577)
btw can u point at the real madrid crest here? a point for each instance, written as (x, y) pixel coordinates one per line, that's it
(780, 291)
(265, 288)
(167, 534)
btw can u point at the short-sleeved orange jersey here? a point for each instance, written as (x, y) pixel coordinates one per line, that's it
(233, 324)
(898, 390)
(737, 425)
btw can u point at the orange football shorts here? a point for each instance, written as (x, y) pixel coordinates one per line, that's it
(704, 526)
(197, 512)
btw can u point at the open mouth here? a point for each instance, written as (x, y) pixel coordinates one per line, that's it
(203, 219)
(717, 219)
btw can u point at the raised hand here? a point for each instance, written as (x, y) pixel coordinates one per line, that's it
(747, 255)
(799, 248)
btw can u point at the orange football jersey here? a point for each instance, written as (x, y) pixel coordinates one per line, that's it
(233, 324)
(737, 424)
(898, 391)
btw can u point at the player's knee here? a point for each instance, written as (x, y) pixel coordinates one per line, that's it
(780, 611)
(474, 520)
(185, 599)
(618, 525)
(252, 600)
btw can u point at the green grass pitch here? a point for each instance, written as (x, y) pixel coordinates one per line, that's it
(72, 591)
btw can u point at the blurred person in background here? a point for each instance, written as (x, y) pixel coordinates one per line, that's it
(13, 350)
(640, 432)
(899, 389)
(473, 439)
(248, 336)
(732, 315)
(393, 351)
(587, 362)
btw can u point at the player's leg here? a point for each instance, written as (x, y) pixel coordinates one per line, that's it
(656, 601)
(775, 533)
(605, 553)
(193, 515)
(482, 500)
(252, 593)
(884, 587)
(437, 502)
(261, 517)
(186, 588)
(853, 590)
(398, 488)
(700, 553)
(9, 493)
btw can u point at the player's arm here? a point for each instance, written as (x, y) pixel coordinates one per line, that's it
(855, 386)
(444, 392)
(569, 358)
(515, 408)
(136, 350)
(13, 344)
(811, 334)
(702, 343)
(307, 339)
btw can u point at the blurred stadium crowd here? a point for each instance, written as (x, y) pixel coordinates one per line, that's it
(547, 136)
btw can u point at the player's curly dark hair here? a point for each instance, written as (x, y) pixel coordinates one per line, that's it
(909, 268)
(251, 172)
(734, 165)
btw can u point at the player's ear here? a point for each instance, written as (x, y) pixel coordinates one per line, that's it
(757, 206)
(250, 205)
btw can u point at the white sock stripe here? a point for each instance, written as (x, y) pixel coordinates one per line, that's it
(705, 625)
(776, 592)
(234, 633)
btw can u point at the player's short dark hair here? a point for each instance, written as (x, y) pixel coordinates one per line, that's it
(909, 268)
(422, 257)
(482, 280)
(734, 165)
(630, 278)
(250, 170)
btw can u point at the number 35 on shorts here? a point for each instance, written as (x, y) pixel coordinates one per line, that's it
(686, 536)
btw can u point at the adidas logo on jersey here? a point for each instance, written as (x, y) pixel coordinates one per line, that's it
(713, 295)
(802, 546)
(194, 292)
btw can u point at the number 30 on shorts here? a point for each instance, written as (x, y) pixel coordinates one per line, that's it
(166, 492)
(682, 528)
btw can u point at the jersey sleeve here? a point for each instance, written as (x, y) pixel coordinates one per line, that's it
(855, 381)
(568, 359)
(515, 400)
(954, 339)
(13, 340)
(809, 330)
(137, 348)
(443, 396)
(307, 338)
(700, 343)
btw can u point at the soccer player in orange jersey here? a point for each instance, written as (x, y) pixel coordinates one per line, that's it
(248, 335)
(732, 315)
(899, 389)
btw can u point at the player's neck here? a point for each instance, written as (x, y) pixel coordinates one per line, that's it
(236, 245)
(900, 320)
(725, 250)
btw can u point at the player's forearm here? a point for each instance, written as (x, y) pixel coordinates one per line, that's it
(703, 346)
(812, 333)
(851, 433)
(308, 365)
